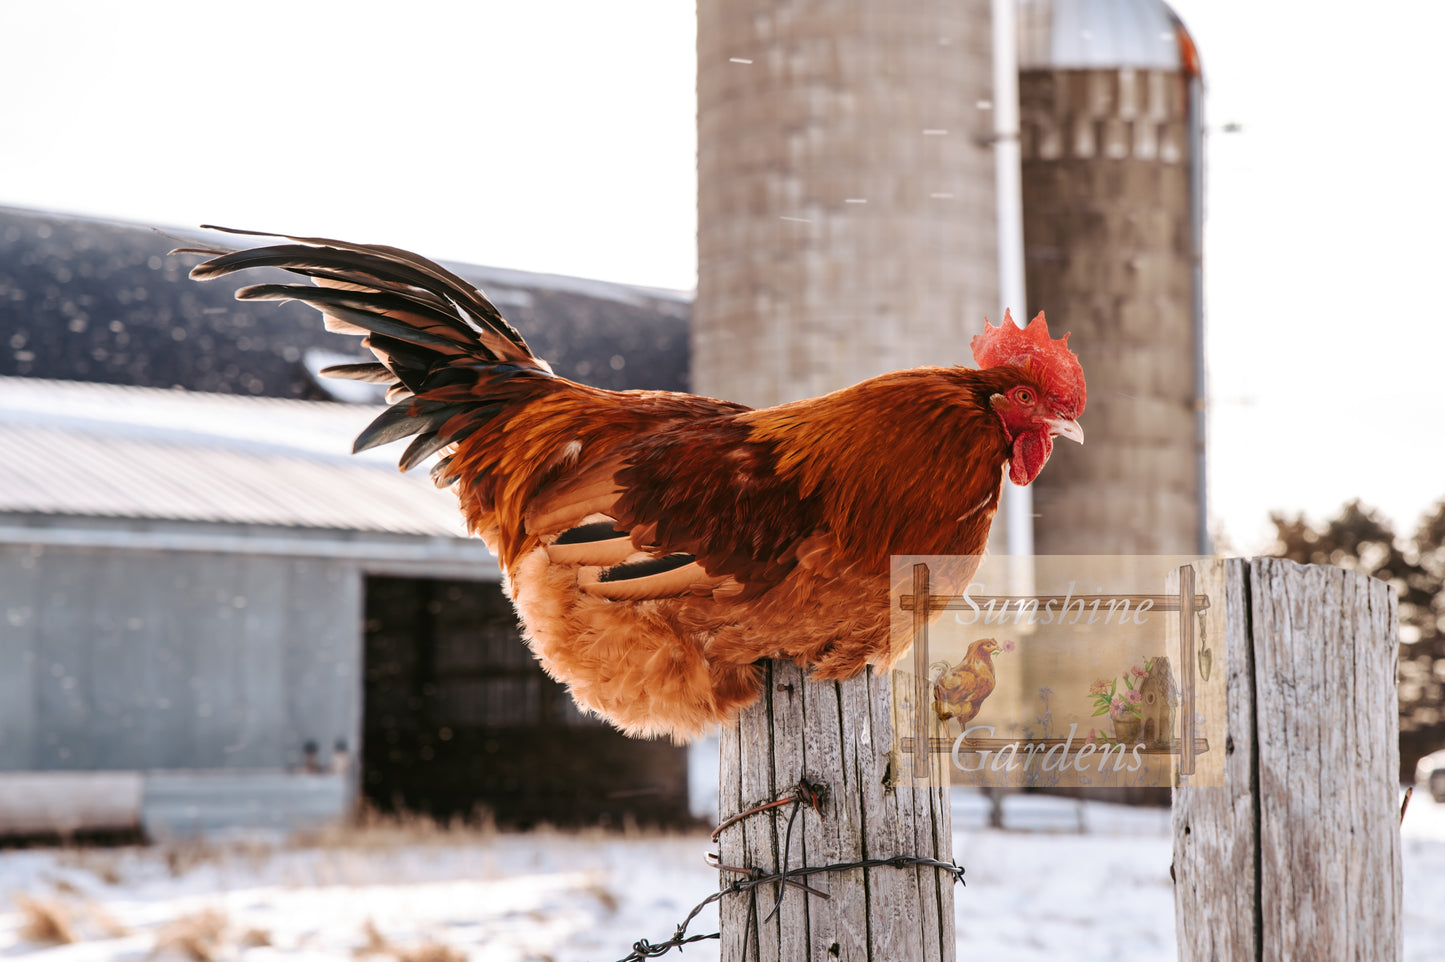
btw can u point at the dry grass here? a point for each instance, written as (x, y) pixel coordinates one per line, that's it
(185, 855)
(431, 952)
(49, 921)
(198, 937)
(105, 924)
(371, 830)
(103, 863)
(377, 944)
(63, 919)
(596, 887)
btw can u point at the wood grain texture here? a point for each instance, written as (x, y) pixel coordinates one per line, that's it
(1215, 829)
(838, 736)
(1298, 857)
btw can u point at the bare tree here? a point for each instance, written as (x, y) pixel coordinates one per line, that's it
(1360, 539)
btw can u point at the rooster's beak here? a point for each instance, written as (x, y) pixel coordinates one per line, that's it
(1066, 428)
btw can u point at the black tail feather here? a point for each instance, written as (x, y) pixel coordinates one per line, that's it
(441, 346)
(370, 313)
(425, 445)
(406, 268)
(404, 419)
(372, 372)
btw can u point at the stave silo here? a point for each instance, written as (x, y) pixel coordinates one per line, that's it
(1110, 96)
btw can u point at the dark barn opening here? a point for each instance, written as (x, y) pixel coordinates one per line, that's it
(460, 718)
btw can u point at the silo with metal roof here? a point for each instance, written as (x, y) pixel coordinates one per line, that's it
(1110, 97)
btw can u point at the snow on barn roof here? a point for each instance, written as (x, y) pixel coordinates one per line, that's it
(73, 448)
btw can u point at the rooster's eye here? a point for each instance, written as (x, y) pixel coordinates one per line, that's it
(1025, 396)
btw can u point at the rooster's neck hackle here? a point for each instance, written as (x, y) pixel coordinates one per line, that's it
(909, 461)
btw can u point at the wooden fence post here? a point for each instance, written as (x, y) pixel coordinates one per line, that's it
(837, 739)
(1298, 856)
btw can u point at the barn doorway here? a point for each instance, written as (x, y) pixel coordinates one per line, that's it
(459, 717)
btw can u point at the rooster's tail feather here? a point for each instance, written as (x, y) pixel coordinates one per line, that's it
(370, 267)
(444, 351)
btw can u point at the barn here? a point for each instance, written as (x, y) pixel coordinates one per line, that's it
(213, 616)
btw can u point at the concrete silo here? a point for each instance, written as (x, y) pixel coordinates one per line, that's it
(1110, 96)
(847, 225)
(845, 192)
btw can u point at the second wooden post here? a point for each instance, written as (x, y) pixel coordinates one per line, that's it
(1298, 856)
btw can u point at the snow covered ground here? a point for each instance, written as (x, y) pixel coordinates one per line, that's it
(1069, 881)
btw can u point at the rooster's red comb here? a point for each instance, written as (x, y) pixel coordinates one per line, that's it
(1031, 348)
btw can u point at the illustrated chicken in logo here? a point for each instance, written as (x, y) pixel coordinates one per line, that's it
(959, 691)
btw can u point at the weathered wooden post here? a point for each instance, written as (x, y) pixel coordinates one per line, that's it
(1298, 856)
(834, 741)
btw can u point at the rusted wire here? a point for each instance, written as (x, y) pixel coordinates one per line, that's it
(801, 794)
(787, 850)
(762, 875)
(646, 950)
(804, 791)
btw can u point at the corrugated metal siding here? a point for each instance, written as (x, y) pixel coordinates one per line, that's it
(169, 660)
(103, 451)
(170, 804)
(190, 804)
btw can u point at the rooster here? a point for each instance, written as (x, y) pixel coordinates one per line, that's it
(959, 691)
(658, 545)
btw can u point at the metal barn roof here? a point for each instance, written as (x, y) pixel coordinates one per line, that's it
(83, 299)
(71, 448)
(1101, 34)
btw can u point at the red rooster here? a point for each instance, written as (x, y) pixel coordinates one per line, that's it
(658, 545)
(959, 691)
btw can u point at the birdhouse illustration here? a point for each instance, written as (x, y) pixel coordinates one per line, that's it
(1158, 696)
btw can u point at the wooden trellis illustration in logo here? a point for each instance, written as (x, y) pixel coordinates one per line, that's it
(1196, 663)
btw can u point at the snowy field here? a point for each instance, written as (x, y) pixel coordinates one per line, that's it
(1069, 881)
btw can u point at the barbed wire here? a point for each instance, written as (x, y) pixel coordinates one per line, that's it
(803, 792)
(644, 949)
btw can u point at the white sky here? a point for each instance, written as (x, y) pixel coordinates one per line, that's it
(557, 136)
